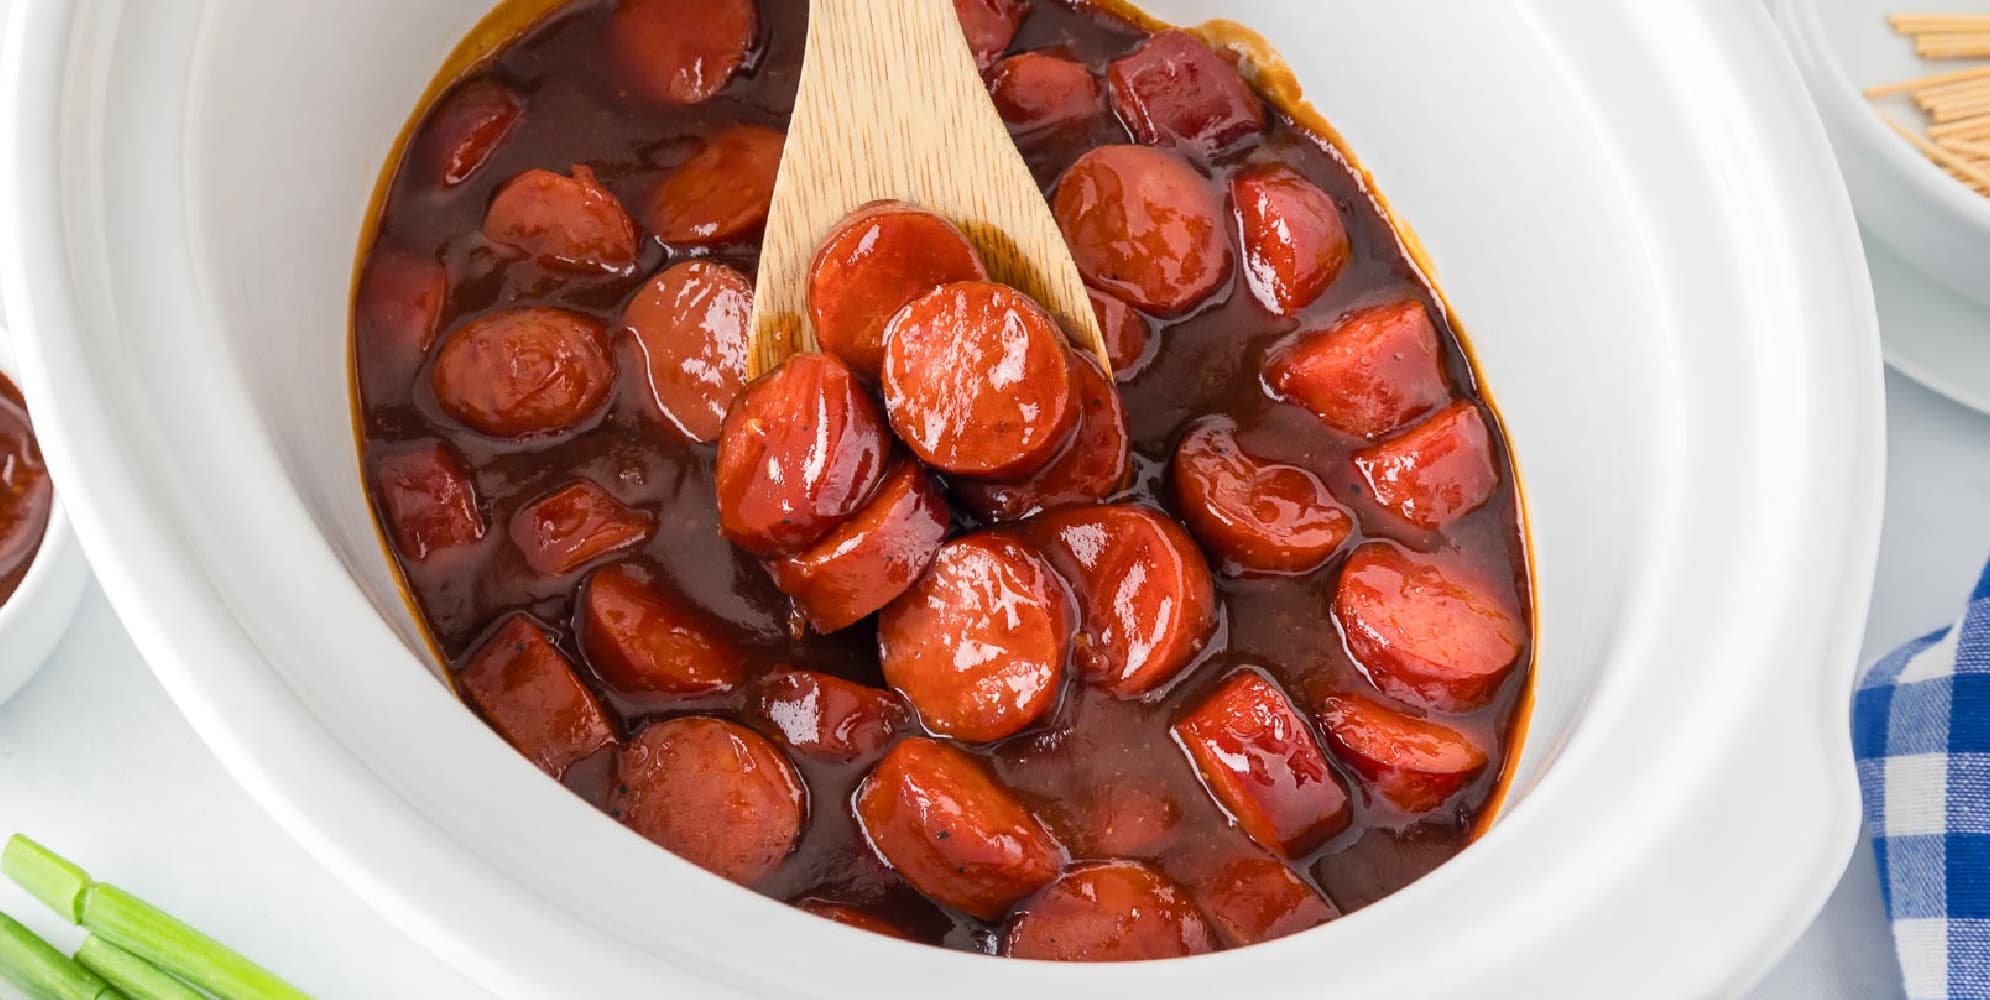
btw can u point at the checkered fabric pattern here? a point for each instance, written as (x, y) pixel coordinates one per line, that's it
(1921, 733)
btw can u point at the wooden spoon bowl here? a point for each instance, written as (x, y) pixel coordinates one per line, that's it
(891, 106)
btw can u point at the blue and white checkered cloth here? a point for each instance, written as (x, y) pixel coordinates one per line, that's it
(1921, 733)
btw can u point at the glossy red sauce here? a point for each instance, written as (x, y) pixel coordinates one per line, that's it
(1102, 773)
(27, 497)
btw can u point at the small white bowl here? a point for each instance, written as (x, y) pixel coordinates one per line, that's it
(1937, 224)
(34, 618)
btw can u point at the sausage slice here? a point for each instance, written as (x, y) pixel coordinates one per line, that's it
(1113, 911)
(1092, 466)
(978, 644)
(715, 793)
(644, 638)
(1415, 763)
(467, 127)
(1372, 372)
(803, 448)
(691, 321)
(1145, 226)
(575, 525)
(1257, 898)
(1146, 603)
(1424, 635)
(566, 222)
(865, 562)
(1259, 759)
(877, 259)
(395, 316)
(525, 688)
(1436, 472)
(1258, 516)
(936, 817)
(826, 716)
(523, 372)
(1175, 91)
(722, 193)
(1039, 94)
(1295, 244)
(977, 381)
(989, 26)
(1125, 333)
(426, 499)
(681, 51)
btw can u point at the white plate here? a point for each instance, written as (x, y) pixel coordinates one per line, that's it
(1631, 206)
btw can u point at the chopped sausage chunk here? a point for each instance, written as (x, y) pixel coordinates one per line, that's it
(528, 692)
(936, 816)
(1424, 634)
(1259, 759)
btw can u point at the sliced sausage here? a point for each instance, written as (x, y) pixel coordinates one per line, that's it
(877, 259)
(1372, 372)
(525, 688)
(1117, 819)
(978, 645)
(977, 381)
(1258, 516)
(1436, 472)
(566, 222)
(522, 372)
(865, 562)
(1092, 466)
(1415, 763)
(936, 817)
(466, 128)
(1295, 244)
(1259, 760)
(1253, 899)
(426, 499)
(575, 525)
(1146, 603)
(692, 322)
(395, 316)
(826, 716)
(722, 193)
(989, 25)
(1145, 226)
(1113, 911)
(803, 448)
(681, 51)
(1038, 94)
(644, 638)
(715, 793)
(851, 916)
(1423, 634)
(1125, 333)
(1176, 91)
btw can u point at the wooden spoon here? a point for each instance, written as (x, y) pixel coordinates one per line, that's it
(891, 106)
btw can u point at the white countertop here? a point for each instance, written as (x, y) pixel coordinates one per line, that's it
(95, 761)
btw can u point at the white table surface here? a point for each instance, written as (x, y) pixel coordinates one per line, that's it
(95, 761)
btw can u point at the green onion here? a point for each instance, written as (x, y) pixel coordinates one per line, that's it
(135, 926)
(156, 936)
(139, 979)
(46, 875)
(46, 974)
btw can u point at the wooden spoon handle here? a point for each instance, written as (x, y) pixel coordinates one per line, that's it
(891, 105)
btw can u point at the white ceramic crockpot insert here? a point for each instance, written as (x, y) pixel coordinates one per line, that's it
(1630, 205)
